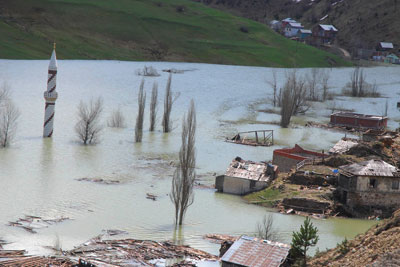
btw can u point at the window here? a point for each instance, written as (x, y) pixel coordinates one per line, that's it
(395, 184)
(372, 183)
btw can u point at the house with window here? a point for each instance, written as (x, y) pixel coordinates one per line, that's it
(291, 29)
(369, 186)
(324, 34)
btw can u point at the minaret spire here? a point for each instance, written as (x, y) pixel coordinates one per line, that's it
(50, 95)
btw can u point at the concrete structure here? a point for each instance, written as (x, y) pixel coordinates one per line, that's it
(50, 95)
(291, 29)
(367, 186)
(324, 34)
(254, 252)
(355, 120)
(243, 177)
(288, 158)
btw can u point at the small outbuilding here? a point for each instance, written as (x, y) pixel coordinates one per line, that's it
(292, 28)
(243, 177)
(360, 121)
(392, 59)
(303, 34)
(369, 185)
(253, 252)
(288, 158)
(324, 34)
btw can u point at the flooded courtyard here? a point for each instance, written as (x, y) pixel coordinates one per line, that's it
(54, 178)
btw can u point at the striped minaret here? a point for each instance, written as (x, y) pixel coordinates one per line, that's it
(50, 95)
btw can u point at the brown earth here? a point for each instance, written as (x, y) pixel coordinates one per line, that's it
(379, 246)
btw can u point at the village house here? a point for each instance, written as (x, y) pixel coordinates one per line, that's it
(275, 25)
(367, 186)
(392, 59)
(382, 50)
(291, 29)
(303, 34)
(323, 34)
(355, 120)
(243, 177)
(249, 252)
(288, 158)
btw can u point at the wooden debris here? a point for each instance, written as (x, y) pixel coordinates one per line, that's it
(33, 223)
(98, 180)
(261, 138)
(151, 196)
(219, 239)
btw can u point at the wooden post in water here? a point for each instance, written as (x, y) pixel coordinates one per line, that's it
(256, 137)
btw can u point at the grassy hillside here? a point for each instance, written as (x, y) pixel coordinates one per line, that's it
(361, 23)
(161, 30)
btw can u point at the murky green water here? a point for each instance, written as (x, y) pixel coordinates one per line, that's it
(39, 177)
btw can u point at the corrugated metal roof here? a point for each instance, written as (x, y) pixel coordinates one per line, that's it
(305, 31)
(288, 20)
(254, 252)
(295, 24)
(378, 168)
(248, 170)
(386, 45)
(328, 27)
(342, 146)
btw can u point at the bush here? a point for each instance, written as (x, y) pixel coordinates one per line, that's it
(244, 29)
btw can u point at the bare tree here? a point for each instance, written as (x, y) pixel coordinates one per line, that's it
(117, 119)
(274, 86)
(183, 180)
(293, 98)
(153, 106)
(265, 228)
(88, 127)
(325, 75)
(140, 116)
(166, 124)
(147, 71)
(312, 84)
(8, 121)
(359, 87)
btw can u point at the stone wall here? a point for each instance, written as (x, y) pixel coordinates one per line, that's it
(238, 186)
(305, 204)
(285, 164)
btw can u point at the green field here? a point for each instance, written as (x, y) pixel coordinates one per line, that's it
(151, 30)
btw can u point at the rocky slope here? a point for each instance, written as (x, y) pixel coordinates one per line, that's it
(379, 246)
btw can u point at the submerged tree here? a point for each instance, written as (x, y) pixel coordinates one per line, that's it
(184, 176)
(117, 119)
(140, 116)
(8, 122)
(293, 98)
(265, 229)
(304, 239)
(153, 106)
(274, 85)
(88, 127)
(167, 107)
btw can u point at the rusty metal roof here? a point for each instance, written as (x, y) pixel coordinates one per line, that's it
(378, 168)
(248, 170)
(254, 252)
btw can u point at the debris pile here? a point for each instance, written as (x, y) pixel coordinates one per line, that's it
(98, 180)
(219, 239)
(33, 223)
(130, 252)
(12, 258)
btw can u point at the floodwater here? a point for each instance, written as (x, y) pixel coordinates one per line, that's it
(39, 176)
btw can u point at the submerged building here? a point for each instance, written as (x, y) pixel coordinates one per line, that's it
(243, 177)
(355, 120)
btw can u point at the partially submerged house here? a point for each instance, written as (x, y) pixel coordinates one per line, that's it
(243, 177)
(372, 185)
(324, 34)
(355, 120)
(249, 251)
(288, 158)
